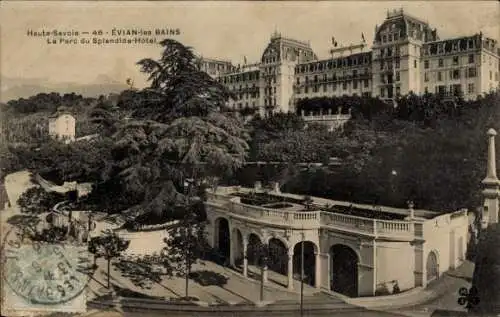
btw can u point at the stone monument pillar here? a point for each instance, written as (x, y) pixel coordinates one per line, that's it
(491, 183)
(486, 278)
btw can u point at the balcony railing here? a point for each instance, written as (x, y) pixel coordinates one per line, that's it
(327, 117)
(317, 219)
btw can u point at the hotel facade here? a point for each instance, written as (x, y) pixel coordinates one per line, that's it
(407, 56)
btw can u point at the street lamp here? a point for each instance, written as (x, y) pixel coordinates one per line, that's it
(262, 268)
(394, 173)
(302, 274)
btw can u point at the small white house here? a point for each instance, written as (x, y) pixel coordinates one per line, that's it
(62, 126)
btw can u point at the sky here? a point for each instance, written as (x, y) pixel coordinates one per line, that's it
(227, 30)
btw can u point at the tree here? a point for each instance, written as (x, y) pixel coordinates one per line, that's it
(36, 200)
(185, 244)
(179, 129)
(108, 246)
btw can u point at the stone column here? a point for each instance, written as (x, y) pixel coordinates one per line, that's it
(339, 110)
(290, 271)
(303, 112)
(232, 250)
(264, 273)
(317, 270)
(245, 259)
(491, 182)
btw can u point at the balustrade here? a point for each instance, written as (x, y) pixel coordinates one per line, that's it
(319, 218)
(346, 221)
(398, 228)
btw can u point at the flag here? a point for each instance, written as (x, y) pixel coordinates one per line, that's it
(363, 37)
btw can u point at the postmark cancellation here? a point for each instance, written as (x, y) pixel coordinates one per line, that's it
(40, 277)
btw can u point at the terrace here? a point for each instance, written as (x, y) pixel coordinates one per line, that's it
(273, 208)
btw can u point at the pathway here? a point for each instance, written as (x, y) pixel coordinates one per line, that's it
(237, 288)
(446, 289)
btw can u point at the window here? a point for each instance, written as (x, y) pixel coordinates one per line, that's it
(455, 60)
(334, 86)
(441, 90)
(324, 87)
(440, 78)
(491, 75)
(471, 58)
(306, 89)
(381, 65)
(344, 85)
(398, 91)
(384, 38)
(426, 90)
(398, 78)
(298, 81)
(426, 64)
(366, 83)
(354, 84)
(382, 92)
(471, 72)
(470, 88)
(397, 62)
(440, 62)
(415, 64)
(426, 76)
(455, 74)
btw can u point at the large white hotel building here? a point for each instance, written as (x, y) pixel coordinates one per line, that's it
(407, 56)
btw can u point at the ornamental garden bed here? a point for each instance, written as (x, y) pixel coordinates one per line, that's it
(259, 199)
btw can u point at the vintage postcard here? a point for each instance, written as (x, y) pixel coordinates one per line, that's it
(221, 158)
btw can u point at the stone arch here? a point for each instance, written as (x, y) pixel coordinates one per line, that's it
(278, 255)
(237, 251)
(432, 266)
(310, 251)
(344, 270)
(222, 237)
(254, 242)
